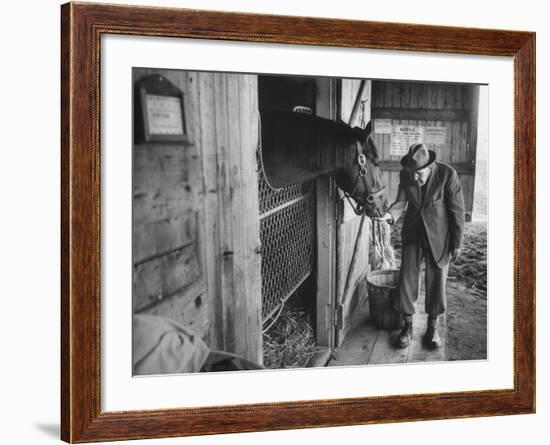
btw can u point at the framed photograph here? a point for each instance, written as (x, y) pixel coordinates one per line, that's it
(275, 222)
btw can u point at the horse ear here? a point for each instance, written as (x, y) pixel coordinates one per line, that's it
(341, 121)
(368, 129)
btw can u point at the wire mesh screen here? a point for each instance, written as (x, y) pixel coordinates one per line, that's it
(270, 199)
(287, 220)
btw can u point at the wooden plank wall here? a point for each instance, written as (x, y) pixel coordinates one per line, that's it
(196, 223)
(168, 275)
(430, 104)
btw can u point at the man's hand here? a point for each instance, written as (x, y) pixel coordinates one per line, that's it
(386, 218)
(455, 255)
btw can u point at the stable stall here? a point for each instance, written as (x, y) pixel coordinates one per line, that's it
(216, 248)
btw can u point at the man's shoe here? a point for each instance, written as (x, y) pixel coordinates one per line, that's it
(431, 338)
(405, 336)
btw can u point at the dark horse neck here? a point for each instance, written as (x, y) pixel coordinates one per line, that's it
(298, 147)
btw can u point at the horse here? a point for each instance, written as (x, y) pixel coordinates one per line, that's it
(297, 147)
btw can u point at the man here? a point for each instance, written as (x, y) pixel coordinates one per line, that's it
(431, 194)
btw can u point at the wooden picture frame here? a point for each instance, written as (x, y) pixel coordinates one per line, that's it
(82, 26)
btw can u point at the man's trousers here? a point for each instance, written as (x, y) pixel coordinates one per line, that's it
(409, 281)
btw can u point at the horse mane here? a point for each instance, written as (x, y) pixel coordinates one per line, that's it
(298, 146)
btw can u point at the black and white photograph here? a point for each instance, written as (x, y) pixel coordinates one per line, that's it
(276, 222)
(285, 221)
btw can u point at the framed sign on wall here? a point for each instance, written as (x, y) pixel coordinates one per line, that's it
(160, 115)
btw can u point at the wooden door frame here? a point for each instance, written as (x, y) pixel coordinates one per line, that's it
(326, 233)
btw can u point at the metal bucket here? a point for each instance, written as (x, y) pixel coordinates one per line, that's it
(383, 289)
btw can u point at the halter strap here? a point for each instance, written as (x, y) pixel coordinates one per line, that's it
(359, 208)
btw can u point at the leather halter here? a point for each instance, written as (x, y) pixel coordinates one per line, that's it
(360, 206)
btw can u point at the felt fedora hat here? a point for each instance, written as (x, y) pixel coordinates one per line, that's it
(418, 157)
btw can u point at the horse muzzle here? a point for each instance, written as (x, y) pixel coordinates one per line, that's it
(375, 204)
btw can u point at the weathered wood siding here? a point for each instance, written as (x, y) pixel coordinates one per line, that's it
(196, 226)
(168, 274)
(453, 106)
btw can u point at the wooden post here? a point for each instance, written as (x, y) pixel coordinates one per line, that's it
(352, 250)
(326, 230)
(236, 126)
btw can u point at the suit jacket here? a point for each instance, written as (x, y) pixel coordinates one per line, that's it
(441, 211)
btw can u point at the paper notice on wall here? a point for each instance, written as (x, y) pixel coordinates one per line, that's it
(435, 135)
(403, 136)
(382, 126)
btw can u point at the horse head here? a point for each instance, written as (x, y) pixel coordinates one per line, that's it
(297, 147)
(361, 178)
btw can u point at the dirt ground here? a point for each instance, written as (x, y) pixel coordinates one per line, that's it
(466, 316)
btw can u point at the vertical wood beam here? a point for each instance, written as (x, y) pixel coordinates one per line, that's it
(326, 229)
